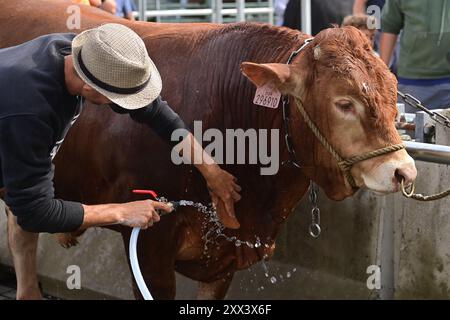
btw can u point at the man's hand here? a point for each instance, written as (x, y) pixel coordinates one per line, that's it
(132, 214)
(222, 186)
(224, 193)
(141, 213)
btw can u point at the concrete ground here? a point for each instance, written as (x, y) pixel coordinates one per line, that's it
(8, 286)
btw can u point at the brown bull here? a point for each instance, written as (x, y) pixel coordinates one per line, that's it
(347, 91)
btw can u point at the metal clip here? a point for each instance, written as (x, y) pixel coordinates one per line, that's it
(314, 227)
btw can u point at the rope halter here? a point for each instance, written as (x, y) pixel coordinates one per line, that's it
(344, 164)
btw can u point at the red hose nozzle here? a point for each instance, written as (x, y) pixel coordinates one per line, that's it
(148, 192)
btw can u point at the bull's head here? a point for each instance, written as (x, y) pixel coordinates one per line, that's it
(350, 95)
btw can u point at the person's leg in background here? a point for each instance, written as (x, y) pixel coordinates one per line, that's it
(23, 247)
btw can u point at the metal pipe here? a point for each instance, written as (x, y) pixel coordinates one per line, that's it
(204, 12)
(248, 10)
(306, 16)
(240, 7)
(271, 14)
(428, 152)
(141, 10)
(158, 7)
(218, 11)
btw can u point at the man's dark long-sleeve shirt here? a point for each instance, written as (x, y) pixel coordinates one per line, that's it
(35, 111)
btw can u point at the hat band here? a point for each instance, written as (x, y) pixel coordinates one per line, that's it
(106, 86)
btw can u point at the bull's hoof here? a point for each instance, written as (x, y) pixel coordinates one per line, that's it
(67, 240)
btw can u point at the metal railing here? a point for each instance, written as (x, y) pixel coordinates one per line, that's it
(215, 12)
(428, 152)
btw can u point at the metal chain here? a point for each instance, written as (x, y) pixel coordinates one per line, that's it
(287, 136)
(286, 116)
(438, 118)
(420, 197)
(314, 227)
(415, 103)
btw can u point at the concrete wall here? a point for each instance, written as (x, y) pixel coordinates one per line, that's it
(422, 237)
(409, 239)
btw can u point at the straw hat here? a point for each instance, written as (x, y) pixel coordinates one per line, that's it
(113, 60)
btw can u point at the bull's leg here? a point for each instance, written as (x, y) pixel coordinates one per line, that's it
(69, 239)
(157, 263)
(214, 290)
(23, 247)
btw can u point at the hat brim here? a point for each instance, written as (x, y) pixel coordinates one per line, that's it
(127, 101)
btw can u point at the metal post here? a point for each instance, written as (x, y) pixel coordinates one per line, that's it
(240, 6)
(271, 14)
(158, 7)
(213, 10)
(141, 10)
(218, 11)
(306, 16)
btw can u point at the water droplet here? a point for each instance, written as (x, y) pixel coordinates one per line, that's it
(295, 269)
(288, 274)
(238, 243)
(273, 280)
(262, 287)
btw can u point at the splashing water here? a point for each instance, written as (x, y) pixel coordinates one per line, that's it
(266, 270)
(213, 229)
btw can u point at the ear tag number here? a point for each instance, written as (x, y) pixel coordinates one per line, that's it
(267, 96)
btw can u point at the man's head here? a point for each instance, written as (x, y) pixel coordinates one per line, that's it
(111, 64)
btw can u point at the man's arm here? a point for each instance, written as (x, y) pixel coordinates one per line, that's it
(132, 214)
(387, 45)
(359, 7)
(223, 186)
(25, 143)
(392, 22)
(158, 115)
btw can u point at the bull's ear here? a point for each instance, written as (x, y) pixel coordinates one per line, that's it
(276, 74)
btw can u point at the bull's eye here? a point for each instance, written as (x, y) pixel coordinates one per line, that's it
(345, 106)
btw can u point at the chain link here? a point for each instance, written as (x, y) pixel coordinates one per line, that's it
(416, 103)
(314, 227)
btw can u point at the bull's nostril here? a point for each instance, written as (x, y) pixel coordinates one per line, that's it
(399, 176)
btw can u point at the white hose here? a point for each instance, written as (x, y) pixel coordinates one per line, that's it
(135, 265)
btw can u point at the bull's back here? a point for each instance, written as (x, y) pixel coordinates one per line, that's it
(23, 20)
